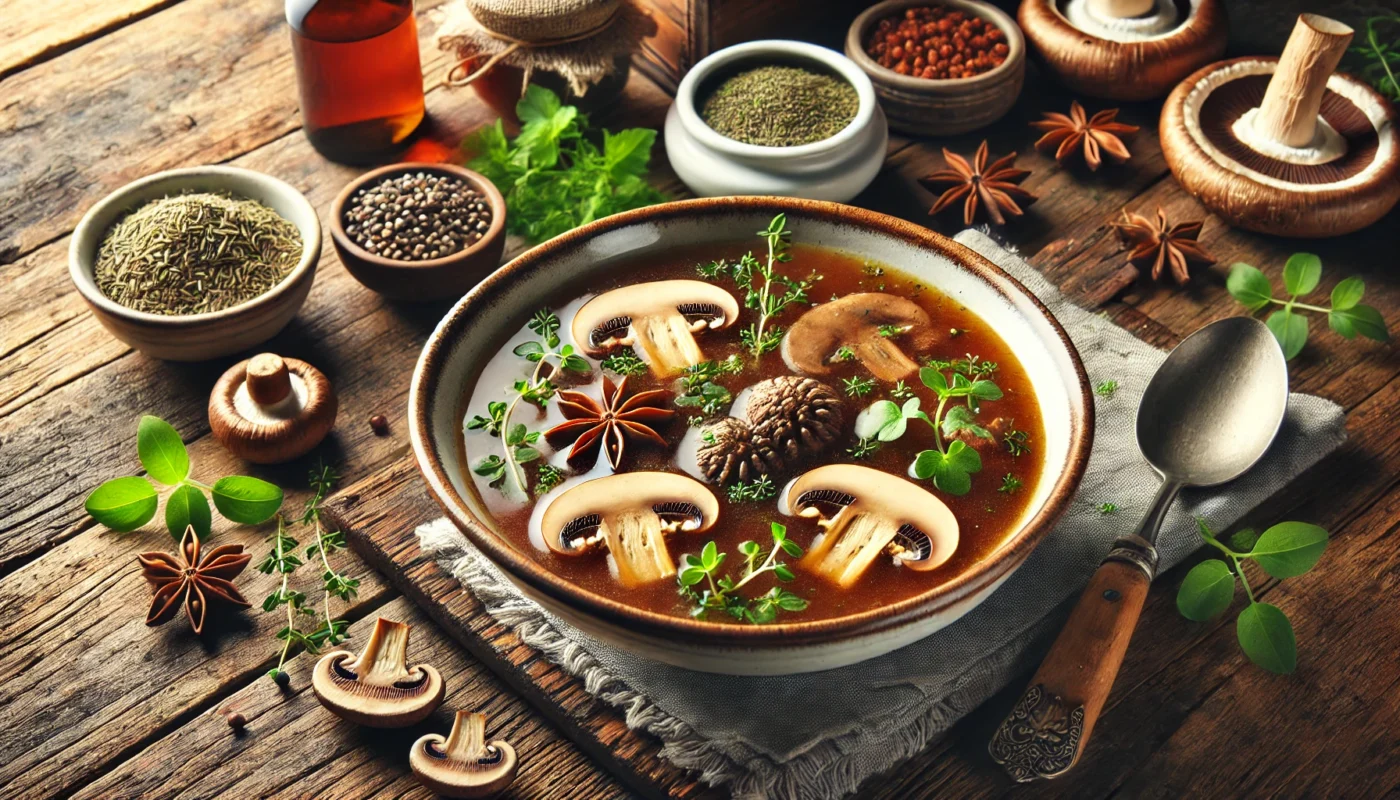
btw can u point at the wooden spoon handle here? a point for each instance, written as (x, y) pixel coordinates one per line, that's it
(1050, 725)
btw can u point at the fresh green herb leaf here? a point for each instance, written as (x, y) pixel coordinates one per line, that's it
(246, 500)
(1364, 320)
(1207, 591)
(1347, 293)
(1009, 484)
(1291, 330)
(890, 331)
(951, 471)
(766, 290)
(756, 490)
(862, 449)
(187, 507)
(1378, 56)
(960, 418)
(1301, 273)
(1106, 389)
(1266, 636)
(1108, 508)
(901, 392)
(1243, 541)
(858, 385)
(547, 478)
(161, 451)
(123, 504)
(700, 580)
(844, 353)
(624, 362)
(1289, 549)
(1249, 286)
(1017, 443)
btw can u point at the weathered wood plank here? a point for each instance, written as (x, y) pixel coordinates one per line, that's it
(36, 31)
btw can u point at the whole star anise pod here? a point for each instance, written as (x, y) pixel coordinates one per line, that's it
(192, 581)
(992, 188)
(1099, 134)
(608, 425)
(1162, 243)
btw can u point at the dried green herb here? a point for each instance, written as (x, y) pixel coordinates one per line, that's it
(780, 106)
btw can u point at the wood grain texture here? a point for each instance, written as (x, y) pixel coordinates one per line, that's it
(37, 31)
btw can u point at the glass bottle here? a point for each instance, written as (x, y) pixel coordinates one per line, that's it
(358, 74)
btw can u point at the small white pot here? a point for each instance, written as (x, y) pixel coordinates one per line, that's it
(713, 165)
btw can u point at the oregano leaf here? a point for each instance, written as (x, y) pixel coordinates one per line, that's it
(123, 504)
(1206, 592)
(1290, 329)
(185, 508)
(1301, 273)
(1266, 636)
(161, 451)
(1289, 549)
(1249, 286)
(246, 500)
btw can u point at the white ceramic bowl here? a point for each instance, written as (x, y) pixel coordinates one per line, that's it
(197, 337)
(713, 165)
(497, 307)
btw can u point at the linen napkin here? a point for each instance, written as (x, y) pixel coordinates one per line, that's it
(817, 736)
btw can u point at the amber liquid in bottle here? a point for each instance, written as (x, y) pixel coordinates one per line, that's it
(358, 73)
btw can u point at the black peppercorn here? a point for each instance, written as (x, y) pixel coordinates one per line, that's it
(417, 216)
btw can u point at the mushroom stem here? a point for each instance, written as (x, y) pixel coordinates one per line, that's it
(467, 742)
(1121, 9)
(883, 358)
(637, 543)
(384, 660)
(667, 343)
(269, 381)
(852, 541)
(1288, 114)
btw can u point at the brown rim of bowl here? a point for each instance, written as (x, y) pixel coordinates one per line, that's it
(528, 571)
(855, 45)
(478, 181)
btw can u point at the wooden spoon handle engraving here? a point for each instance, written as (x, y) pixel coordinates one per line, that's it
(1050, 724)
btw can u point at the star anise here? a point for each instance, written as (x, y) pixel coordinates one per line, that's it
(993, 188)
(608, 425)
(1099, 134)
(193, 581)
(1162, 243)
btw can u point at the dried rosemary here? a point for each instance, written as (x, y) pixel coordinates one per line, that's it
(195, 253)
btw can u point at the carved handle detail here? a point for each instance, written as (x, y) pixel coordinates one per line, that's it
(1041, 737)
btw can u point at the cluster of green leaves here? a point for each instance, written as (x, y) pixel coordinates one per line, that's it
(125, 504)
(518, 441)
(1010, 484)
(1106, 389)
(1378, 54)
(700, 387)
(326, 631)
(554, 175)
(1017, 442)
(761, 488)
(766, 290)
(858, 385)
(862, 449)
(624, 362)
(970, 365)
(718, 592)
(1286, 550)
(548, 477)
(1301, 275)
(951, 464)
(1108, 508)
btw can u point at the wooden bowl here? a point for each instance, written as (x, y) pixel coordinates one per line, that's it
(197, 337)
(435, 279)
(930, 107)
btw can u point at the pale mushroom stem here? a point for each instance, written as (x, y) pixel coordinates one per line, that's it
(883, 358)
(385, 657)
(467, 742)
(1288, 114)
(667, 343)
(853, 540)
(637, 542)
(1121, 9)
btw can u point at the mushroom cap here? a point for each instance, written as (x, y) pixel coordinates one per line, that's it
(297, 408)
(1123, 70)
(924, 521)
(1267, 195)
(813, 340)
(378, 689)
(437, 769)
(672, 496)
(601, 321)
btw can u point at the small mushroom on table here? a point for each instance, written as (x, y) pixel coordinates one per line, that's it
(659, 319)
(863, 513)
(1286, 146)
(1124, 49)
(378, 689)
(875, 327)
(271, 409)
(786, 418)
(464, 764)
(628, 516)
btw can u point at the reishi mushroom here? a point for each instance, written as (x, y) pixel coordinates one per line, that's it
(860, 322)
(464, 764)
(1124, 49)
(378, 689)
(1285, 146)
(874, 513)
(659, 319)
(628, 516)
(269, 409)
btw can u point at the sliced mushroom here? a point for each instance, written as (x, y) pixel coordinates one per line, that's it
(271, 409)
(378, 689)
(628, 516)
(864, 512)
(658, 318)
(464, 764)
(860, 322)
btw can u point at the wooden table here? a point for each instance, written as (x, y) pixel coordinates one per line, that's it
(95, 704)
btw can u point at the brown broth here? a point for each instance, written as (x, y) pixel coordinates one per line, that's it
(986, 515)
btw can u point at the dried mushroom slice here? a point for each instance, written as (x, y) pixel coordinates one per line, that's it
(628, 516)
(378, 689)
(659, 319)
(464, 764)
(875, 327)
(864, 512)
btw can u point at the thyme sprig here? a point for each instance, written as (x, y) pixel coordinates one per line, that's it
(719, 592)
(756, 490)
(700, 387)
(766, 290)
(1380, 58)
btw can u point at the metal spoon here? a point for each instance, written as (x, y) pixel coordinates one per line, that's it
(1208, 414)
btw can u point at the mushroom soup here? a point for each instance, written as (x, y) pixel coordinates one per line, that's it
(863, 442)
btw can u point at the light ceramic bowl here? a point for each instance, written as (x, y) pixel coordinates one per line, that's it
(929, 107)
(198, 337)
(483, 320)
(713, 165)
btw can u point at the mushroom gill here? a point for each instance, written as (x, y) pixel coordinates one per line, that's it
(659, 319)
(378, 689)
(464, 764)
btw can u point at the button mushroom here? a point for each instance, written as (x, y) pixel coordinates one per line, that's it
(872, 325)
(659, 319)
(270, 409)
(464, 764)
(378, 689)
(628, 516)
(1285, 146)
(864, 512)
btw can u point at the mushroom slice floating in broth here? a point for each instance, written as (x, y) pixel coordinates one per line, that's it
(876, 327)
(628, 516)
(378, 689)
(659, 319)
(864, 512)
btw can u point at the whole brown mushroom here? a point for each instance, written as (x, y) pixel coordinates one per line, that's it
(270, 409)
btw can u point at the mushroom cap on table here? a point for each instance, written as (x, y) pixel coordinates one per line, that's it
(269, 409)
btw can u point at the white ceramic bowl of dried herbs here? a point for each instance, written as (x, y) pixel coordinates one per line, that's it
(197, 263)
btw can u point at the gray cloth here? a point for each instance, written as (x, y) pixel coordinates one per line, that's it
(819, 735)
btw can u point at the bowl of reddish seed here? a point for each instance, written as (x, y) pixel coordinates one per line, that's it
(419, 231)
(940, 68)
